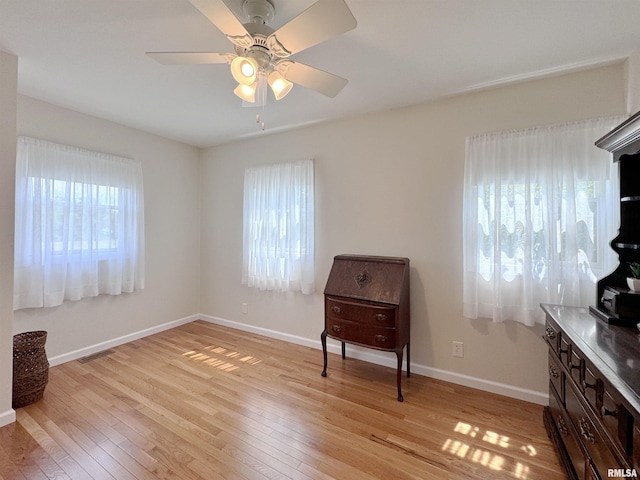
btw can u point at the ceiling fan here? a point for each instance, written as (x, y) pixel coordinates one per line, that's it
(262, 54)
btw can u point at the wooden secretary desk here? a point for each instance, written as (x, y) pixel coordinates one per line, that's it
(366, 303)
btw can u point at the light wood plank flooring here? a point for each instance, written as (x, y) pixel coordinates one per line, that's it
(205, 402)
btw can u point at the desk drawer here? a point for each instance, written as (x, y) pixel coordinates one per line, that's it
(364, 313)
(383, 338)
(592, 387)
(618, 421)
(556, 376)
(567, 434)
(576, 366)
(564, 352)
(599, 452)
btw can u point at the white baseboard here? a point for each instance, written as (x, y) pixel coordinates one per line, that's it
(263, 331)
(7, 417)
(99, 347)
(373, 356)
(540, 398)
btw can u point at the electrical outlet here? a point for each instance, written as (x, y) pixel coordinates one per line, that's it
(457, 349)
(245, 308)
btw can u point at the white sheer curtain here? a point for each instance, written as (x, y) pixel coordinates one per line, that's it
(540, 208)
(79, 228)
(278, 250)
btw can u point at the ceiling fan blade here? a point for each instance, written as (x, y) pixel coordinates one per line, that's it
(219, 14)
(321, 21)
(190, 58)
(312, 78)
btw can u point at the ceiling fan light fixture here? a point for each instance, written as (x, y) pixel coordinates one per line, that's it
(279, 85)
(244, 70)
(246, 92)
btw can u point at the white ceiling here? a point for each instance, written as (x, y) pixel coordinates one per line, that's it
(89, 56)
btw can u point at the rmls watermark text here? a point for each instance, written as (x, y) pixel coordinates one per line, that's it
(622, 473)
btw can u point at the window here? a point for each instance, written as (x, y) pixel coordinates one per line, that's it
(278, 221)
(540, 207)
(99, 235)
(79, 224)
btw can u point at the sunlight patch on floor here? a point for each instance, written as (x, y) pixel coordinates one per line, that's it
(213, 354)
(468, 449)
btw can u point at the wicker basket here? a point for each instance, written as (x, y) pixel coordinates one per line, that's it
(30, 368)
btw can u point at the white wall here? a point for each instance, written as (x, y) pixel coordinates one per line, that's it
(391, 184)
(172, 218)
(633, 82)
(8, 92)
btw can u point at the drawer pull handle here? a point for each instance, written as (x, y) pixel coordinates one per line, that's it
(572, 366)
(553, 371)
(562, 425)
(381, 317)
(608, 413)
(586, 385)
(550, 333)
(336, 309)
(336, 328)
(585, 431)
(381, 338)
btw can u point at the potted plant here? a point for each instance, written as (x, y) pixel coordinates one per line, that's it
(634, 280)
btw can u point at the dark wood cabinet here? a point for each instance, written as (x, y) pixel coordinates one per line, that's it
(593, 415)
(615, 302)
(367, 304)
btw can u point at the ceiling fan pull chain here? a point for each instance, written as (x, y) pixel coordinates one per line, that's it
(258, 121)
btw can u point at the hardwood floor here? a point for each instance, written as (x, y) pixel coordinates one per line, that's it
(205, 402)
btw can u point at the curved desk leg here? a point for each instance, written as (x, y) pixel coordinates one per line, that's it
(323, 339)
(399, 373)
(344, 356)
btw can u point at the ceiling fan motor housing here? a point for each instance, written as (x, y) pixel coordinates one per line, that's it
(259, 51)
